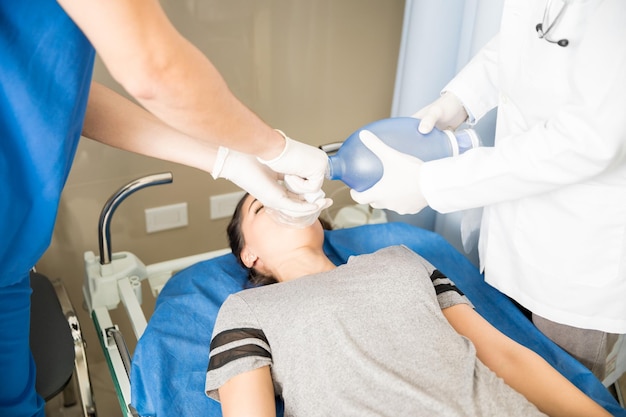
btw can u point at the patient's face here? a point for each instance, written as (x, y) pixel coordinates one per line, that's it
(267, 238)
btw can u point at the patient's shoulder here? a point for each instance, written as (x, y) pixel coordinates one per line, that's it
(394, 258)
(403, 253)
(395, 250)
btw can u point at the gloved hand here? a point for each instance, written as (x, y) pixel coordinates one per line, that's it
(399, 188)
(263, 183)
(447, 112)
(303, 166)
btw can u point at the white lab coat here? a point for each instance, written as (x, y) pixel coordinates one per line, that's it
(553, 233)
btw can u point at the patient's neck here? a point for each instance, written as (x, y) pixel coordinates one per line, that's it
(301, 262)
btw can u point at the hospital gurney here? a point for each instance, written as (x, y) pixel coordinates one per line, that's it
(169, 363)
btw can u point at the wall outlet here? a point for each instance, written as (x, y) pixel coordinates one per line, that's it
(223, 205)
(166, 217)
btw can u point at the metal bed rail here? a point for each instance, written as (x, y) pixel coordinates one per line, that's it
(111, 278)
(128, 292)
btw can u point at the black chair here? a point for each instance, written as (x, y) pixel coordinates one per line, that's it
(57, 345)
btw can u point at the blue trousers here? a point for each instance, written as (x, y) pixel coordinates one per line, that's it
(18, 397)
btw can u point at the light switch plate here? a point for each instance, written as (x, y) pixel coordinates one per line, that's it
(166, 217)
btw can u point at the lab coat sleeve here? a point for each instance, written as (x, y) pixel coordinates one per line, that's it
(582, 141)
(476, 85)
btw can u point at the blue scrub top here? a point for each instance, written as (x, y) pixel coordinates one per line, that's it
(45, 74)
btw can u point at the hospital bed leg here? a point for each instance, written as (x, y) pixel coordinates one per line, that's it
(81, 371)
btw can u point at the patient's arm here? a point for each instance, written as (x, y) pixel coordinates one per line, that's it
(521, 368)
(250, 394)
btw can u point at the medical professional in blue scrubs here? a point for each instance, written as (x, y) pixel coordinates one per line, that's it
(188, 115)
(553, 188)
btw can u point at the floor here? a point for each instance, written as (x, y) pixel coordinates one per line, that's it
(105, 397)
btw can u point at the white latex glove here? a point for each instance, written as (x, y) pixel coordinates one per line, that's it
(263, 183)
(399, 188)
(447, 112)
(303, 166)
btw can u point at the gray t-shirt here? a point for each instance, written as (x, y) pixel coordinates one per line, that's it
(365, 339)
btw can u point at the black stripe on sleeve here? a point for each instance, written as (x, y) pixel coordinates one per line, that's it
(437, 274)
(232, 335)
(223, 358)
(443, 287)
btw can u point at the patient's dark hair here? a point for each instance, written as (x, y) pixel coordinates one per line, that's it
(235, 239)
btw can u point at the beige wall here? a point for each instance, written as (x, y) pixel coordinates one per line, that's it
(317, 69)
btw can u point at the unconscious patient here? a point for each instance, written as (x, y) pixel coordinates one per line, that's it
(385, 334)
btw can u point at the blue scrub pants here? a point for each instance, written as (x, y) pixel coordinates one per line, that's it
(18, 397)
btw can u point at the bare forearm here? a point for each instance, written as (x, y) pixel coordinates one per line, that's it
(168, 75)
(116, 121)
(192, 96)
(521, 368)
(529, 374)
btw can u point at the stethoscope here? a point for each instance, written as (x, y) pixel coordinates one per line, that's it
(545, 23)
